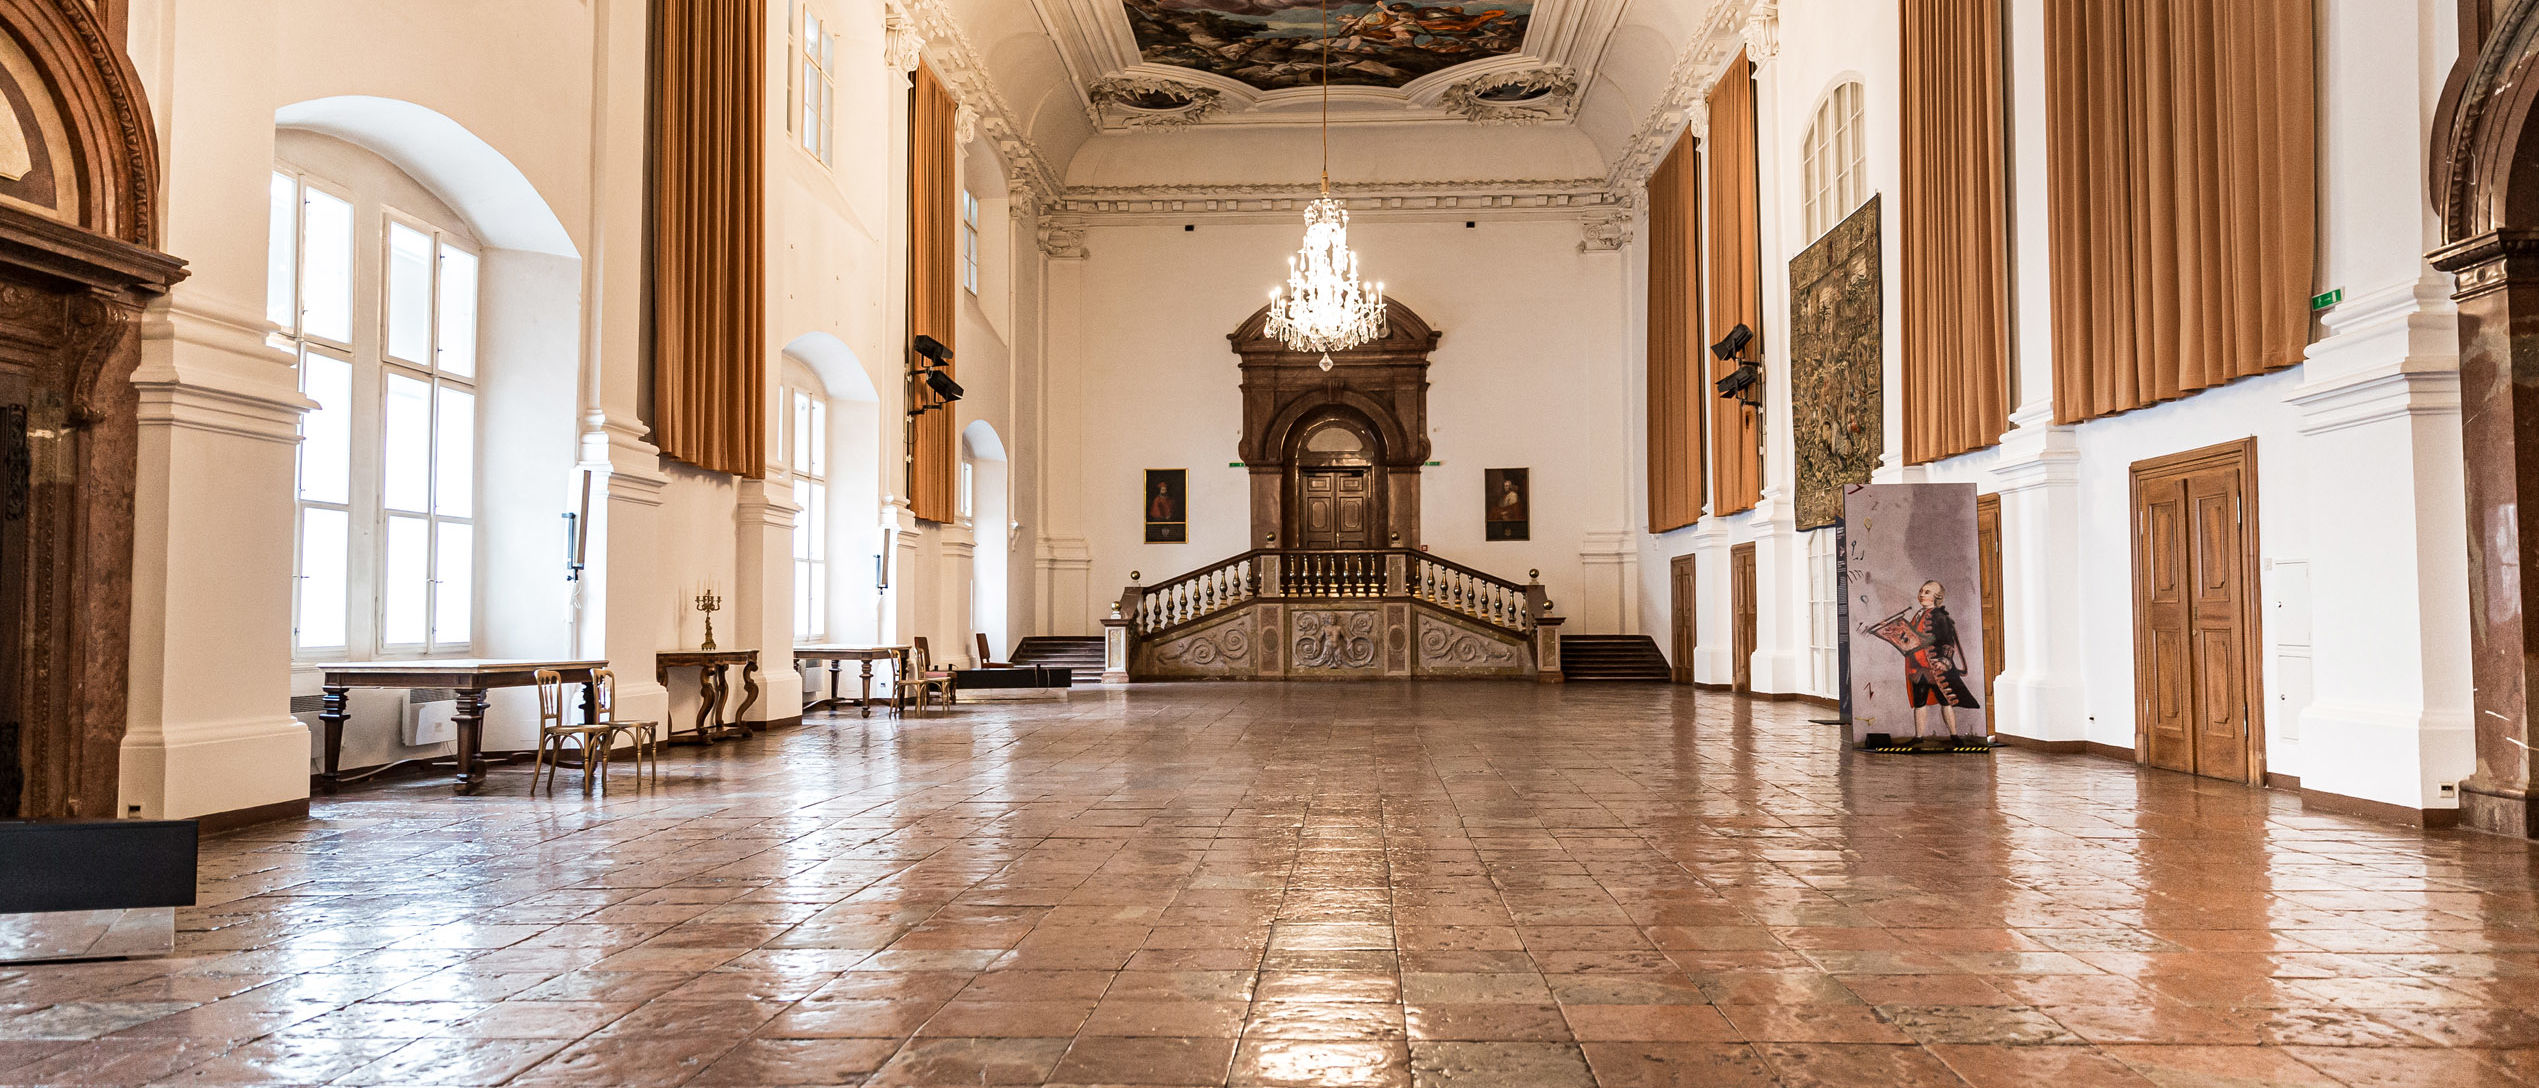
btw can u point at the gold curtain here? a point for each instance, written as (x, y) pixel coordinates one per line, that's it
(709, 266)
(1675, 390)
(2182, 137)
(1736, 289)
(934, 254)
(1956, 275)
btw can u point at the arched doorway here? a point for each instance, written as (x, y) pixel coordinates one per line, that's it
(1335, 455)
(1335, 486)
(2486, 188)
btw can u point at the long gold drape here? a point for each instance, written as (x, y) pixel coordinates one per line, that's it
(1676, 403)
(709, 267)
(2183, 182)
(1736, 289)
(1956, 274)
(934, 254)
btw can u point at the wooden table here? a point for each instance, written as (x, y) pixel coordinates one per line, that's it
(471, 677)
(713, 687)
(838, 655)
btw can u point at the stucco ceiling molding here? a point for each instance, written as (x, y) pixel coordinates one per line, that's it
(1152, 102)
(1434, 196)
(1546, 94)
(1680, 104)
(960, 65)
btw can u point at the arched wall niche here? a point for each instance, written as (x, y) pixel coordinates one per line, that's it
(468, 174)
(77, 265)
(853, 517)
(1381, 386)
(991, 530)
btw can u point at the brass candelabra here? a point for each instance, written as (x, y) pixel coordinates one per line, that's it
(709, 602)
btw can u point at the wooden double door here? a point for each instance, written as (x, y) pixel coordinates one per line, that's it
(1337, 506)
(2196, 672)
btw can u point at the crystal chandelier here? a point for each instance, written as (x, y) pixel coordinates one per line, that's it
(1325, 307)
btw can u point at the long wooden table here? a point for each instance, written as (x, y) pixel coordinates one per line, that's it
(713, 688)
(470, 677)
(839, 655)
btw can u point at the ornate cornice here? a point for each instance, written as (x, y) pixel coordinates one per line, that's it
(1763, 31)
(965, 72)
(1699, 65)
(1469, 194)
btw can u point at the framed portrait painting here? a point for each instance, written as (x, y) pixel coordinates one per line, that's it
(1507, 505)
(1167, 505)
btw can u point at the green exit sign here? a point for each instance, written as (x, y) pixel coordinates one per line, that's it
(2323, 301)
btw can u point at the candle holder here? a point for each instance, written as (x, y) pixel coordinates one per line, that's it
(709, 602)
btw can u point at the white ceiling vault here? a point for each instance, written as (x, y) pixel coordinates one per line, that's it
(1567, 118)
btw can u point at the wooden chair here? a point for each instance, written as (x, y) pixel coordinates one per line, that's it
(646, 735)
(553, 732)
(920, 680)
(984, 653)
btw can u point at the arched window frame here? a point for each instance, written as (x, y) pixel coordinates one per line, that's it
(386, 475)
(802, 446)
(1834, 160)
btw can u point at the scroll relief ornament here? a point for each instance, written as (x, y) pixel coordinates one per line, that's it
(1521, 98)
(1134, 101)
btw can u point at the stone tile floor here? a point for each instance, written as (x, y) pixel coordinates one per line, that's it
(1443, 886)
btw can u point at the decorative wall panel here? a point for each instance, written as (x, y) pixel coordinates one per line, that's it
(1446, 647)
(1837, 400)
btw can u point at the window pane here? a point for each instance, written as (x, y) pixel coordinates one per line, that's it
(819, 437)
(458, 312)
(454, 594)
(282, 235)
(815, 598)
(326, 445)
(409, 294)
(805, 522)
(810, 107)
(828, 109)
(323, 561)
(326, 268)
(805, 625)
(454, 455)
(403, 583)
(405, 446)
(815, 513)
(800, 455)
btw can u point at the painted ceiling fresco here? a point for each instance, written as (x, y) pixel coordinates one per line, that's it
(1274, 44)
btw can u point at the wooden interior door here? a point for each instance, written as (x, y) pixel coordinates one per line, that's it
(2195, 616)
(1686, 617)
(1742, 604)
(1988, 556)
(1339, 508)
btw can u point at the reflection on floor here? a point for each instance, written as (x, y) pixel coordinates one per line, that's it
(1450, 885)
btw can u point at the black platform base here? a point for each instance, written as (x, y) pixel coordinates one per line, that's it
(1885, 744)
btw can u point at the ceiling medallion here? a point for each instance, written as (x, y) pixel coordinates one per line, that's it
(1325, 307)
(1520, 98)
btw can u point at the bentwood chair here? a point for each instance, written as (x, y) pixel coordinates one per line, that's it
(591, 739)
(919, 680)
(645, 735)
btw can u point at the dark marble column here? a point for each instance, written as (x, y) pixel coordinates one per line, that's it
(2498, 296)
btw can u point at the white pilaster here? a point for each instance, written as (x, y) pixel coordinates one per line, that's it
(762, 609)
(2038, 477)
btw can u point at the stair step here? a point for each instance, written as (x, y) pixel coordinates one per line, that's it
(1614, 659)
(1080, 655)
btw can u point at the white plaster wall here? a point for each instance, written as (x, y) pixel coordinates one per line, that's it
(1531, 372)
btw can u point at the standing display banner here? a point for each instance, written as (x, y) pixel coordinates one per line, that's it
(1913, 593)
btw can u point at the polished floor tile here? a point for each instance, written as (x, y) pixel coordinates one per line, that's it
(1422, 886)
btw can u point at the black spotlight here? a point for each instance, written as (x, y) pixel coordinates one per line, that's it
(1736, 340)
(933, 349)
(943, 385)
(1744, 384)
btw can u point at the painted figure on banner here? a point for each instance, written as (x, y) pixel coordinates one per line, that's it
(1904, 545)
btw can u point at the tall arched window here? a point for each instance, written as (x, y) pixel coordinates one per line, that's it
(1836, 161)
(373, 284)
(803, 447)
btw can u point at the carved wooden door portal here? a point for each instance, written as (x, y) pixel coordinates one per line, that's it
(1336, 455)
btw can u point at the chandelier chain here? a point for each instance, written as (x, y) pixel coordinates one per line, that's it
(1325, 307)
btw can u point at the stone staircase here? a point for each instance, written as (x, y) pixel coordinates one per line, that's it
(1080, 655)
(1633, 658)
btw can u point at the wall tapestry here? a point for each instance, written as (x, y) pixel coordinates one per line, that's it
(1912, 585)
(1271, 44)
(1510, 504)
(1837, 403)
(1167, 505)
